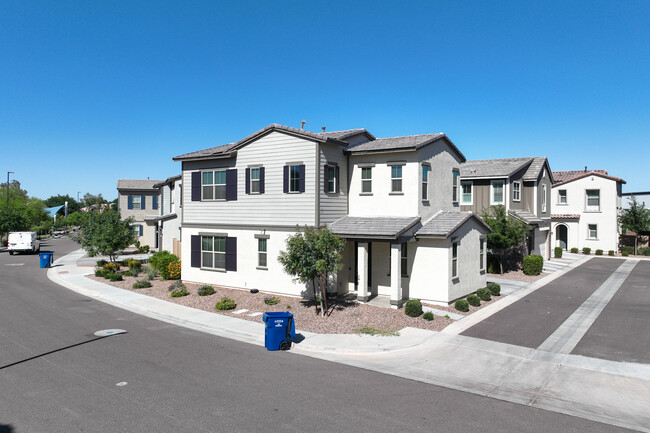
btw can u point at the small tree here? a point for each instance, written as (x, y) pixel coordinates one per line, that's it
(313, 255)
(635, 219)
(103, 232)
(507, 231)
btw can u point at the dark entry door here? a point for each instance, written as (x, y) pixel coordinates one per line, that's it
(562, 236)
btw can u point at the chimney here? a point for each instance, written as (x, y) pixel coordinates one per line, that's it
(302, 124)
(323, 129)
(585, 168)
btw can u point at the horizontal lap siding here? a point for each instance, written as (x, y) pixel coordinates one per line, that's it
(271, 208)
(333, 206)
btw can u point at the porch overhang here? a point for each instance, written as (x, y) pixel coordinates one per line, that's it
(375, 228)
(445, 223)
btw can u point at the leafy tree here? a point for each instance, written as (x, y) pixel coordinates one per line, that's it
(312, 256)
(12, 221)
(507, 231)
(635, 219)
(104, 232)
(23, 211)
(90, 199)
(59, 200)
(76, 218)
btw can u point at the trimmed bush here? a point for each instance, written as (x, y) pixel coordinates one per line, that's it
(574, 250)
(179, 291)
(206, 290)
(644, 251)
(428, 316)
(610, 252)
(114, 276)
(483, 294)
(141, 284)
(144, 249)
(271, 300)
(160, 261)
(599, 252)
(99, 272)
(558, 252)
(473, 300)
(624, 254)
(413, 308)
(533, 265)
(175, 285)
(627, 249)
(133, 264)
(586, 250)
(226, 304)
(494, 288)
(461, 305)
(112, 266)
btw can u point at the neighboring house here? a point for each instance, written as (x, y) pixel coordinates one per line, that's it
(641, 198)
(391, 199)
(585, 209)
(169, 215)
(522, 185)
(138, 198)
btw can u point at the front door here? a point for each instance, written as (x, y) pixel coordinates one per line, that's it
(562, 236)
(356, 266)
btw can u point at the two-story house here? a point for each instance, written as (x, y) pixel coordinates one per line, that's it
(586, 204)
(522, 185)
(138, 198)
(168, 219)
(392, 199)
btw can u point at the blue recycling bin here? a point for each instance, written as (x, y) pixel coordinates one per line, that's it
(280, 329)
(46, 259)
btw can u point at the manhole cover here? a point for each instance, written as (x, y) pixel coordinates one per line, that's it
(107, 332)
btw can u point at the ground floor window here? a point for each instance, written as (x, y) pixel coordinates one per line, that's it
(482, 254)
(593, 231)
(261, 253)
(454, 259)
(213, 252)
(405, 259)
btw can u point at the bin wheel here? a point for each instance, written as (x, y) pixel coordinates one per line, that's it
(285, 345)
(11, 253)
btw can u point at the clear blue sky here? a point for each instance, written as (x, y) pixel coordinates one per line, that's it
(93, 91)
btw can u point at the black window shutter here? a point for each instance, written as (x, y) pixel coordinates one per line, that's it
(142, 202)
(154, 203)
(338, 183)
(196, 186)
(195, 245)
(231, 254)
(130, 202)
(325, 178)
(261, 180)
(302, 177)
(285, 179)
(140, 230)
(248, 181)
(231, 184)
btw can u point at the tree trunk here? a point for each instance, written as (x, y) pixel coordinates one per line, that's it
(324, 297)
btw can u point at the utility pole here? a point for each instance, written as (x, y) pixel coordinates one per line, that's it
(8, 173)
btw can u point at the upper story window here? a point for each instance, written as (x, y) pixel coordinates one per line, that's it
(516, 191)
(544, 198)
(454, 193)
(294, 178)
(366, 179)
(425, 181)
(482, 254)
(593, 200)
(136, 201)
(255, 180)
(213, 185)
(561, 196)
(396, 178)
(331, 180)
(466, 197)
(496, 192)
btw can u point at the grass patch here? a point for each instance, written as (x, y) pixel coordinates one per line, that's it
(369, 330)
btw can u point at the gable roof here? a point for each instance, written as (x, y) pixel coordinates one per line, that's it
(563, 177)
(137, 184)
(402, 143)
(342, 135)
(445, 223)
(505, 167)
(168, 181)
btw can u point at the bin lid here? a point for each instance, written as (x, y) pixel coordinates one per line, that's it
(276, 315)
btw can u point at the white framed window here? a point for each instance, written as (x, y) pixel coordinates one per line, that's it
(261, 253)
(561, 196)
(213, 252)
(294, 178)
(516, 191)
(425, 181)
(544, 198)
(366, 179)
(213, 185)
(593, 200)
(466, 197)
(592, 231)
(454, 258)
(331, 178)
(136, 201)
(496, 192)
(454, 188)
(405, 259)
(395, 178)
(255, 180)
(482, 254)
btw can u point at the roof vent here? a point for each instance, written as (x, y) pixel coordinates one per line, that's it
(585, 168)
(323, 129)
(302, 124)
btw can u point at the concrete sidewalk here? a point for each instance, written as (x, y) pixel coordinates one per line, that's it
(615, 393)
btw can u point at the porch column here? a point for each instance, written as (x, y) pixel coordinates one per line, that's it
(396, 300)
(362, 270)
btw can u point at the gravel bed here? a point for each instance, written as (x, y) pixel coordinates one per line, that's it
(345, 316)
(518, 276)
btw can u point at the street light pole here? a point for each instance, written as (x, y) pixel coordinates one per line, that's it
(8, 173)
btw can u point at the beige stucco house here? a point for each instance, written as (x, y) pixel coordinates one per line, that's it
(139, 199)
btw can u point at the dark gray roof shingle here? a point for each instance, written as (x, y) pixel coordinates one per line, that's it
(139, 184)
(372, 227)
(445, 223)
(505, 167)
(342, 135)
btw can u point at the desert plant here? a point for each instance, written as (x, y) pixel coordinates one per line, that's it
(586, 250)
(413, 308)
(428, 315)
(179, 291)
(271, 300)
(473, 300)
(206, 290)
(175, 285)
(160, 261)
(574, 250)
(112, 266)
(494, 288)
(610, 252)
(461, 305)
(625, 254)
(644, 251)
(99, 272)
(174, 270)
(141, 284)
(599, 252)
(144, 249)
(558, 252)
(533, 265)
(483, 294)
(101, 262)
(152, 273)
(627, 249)
(226, 303)
(114, 276)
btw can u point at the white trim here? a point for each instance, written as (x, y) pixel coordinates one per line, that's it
(471, 192)
(535, 197)
(503, 196)
(518, 183)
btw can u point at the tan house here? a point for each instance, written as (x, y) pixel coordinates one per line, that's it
(138, 198)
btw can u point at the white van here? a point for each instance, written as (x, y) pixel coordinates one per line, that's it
(23, 242)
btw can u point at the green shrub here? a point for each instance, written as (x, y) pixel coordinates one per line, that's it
(101, 262)
(428, 316)
(627, 249)
(141, 284)
(152, 273)
(586, 250)
(226, 304)
(114, 276)
(112, 266)
(413, 308)
(271, 300)
(533, 265)
(175, 285)
(473, 300)
(644, 251)
(599, 252)
(179, 291)
(493, 264)
(610, 252)
(144, 249)
(99, 272)
(205, 290)
(461, 305)
(574, 250)
(494, 288)
(624, 254)
(558, 252)
(160, 261)
(133, 264)
(483, 294)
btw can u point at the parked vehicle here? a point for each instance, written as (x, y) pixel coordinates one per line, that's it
(23, 242)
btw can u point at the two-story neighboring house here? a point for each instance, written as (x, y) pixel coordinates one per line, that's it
(522, 185)
(138, 198)
(585, 209)
(169, 215)
(392, 199)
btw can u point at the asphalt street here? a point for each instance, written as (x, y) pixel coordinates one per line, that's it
(56, 376)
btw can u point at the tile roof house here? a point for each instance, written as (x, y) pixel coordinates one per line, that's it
(391, 199)
(138, 198)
